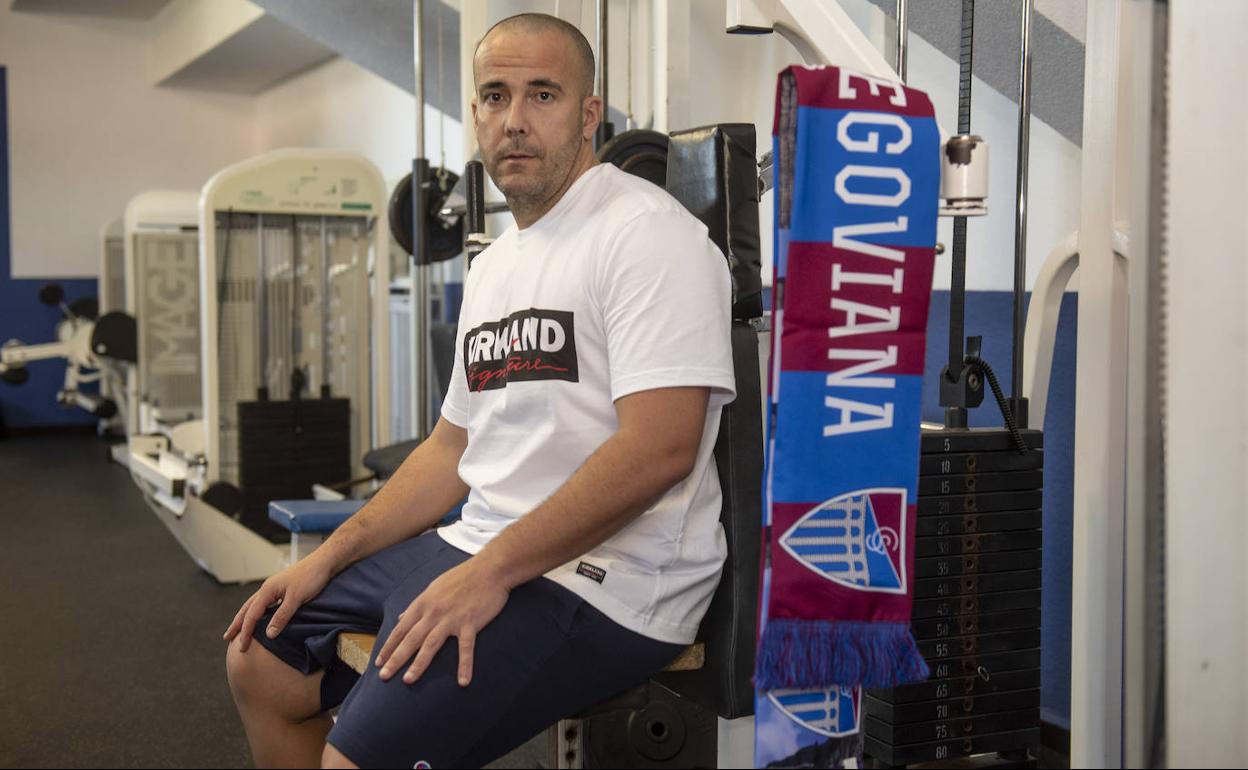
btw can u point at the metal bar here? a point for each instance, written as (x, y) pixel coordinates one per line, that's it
(957, 288)
(418, 50)
(903, 34)
(494, 207)
(475, 211)
(1152, 742)
(628, 24)
(23, 354)
(475, 207)
(965, 61)
(1020, 215)
(603, 136)
(326, 335)
(419, 272)
(262, 311)
(296, 337)
(957, 297)
(1097, 555)
(1206, 579)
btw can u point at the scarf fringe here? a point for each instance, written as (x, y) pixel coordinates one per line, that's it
(810, 654)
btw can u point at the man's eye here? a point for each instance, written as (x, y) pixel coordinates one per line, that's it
(494, 97)
(545, 96)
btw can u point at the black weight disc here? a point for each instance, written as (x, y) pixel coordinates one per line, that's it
(16, 375)
(225, 497)
(116, 336)
(401, 213)
(641, 152)
(446, 237)
(657, 732)
(87, 307)
(52, 294)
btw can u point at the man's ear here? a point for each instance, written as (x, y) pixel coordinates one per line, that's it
(591, 110)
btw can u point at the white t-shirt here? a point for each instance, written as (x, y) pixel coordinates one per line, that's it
(616, 290)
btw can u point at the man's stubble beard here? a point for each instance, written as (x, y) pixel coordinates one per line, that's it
(549, 178)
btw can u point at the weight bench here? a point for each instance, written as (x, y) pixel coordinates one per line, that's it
(310, 521)
(713, 172)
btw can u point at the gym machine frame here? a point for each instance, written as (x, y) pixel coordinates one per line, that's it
(184, 484)
(171, 216)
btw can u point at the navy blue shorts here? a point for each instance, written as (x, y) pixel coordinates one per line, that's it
(546, 656)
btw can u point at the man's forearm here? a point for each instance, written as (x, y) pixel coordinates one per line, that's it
(415, 498)
(619, 482)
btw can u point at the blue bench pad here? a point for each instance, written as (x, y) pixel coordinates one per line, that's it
(312, 516)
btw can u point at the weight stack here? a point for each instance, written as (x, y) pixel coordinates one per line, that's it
(976, 606)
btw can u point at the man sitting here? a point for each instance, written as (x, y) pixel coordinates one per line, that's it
(593, 360)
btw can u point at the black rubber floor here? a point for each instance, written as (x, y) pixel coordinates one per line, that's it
(110, 636)
(112, 652)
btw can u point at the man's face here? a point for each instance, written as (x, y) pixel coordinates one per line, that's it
(530, 112)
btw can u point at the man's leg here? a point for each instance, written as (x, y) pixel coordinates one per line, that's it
(280, 708)
(280, 685)
(333, 759)
(546, 655)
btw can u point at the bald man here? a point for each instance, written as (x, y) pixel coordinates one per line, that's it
(592, 364)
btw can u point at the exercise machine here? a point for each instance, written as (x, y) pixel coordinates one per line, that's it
(90, 346)
(293, 280)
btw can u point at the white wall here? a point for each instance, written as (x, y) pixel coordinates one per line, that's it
(341, 105)
(87, 132)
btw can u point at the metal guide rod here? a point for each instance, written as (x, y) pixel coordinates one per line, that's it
(295, 307)
(326, 335)
(603, 134)
(419, 273)
(1020, 217)
(957, 288)
(474, 208)
(475, 240)
(628, 24)
(262, 313)
(903, 32)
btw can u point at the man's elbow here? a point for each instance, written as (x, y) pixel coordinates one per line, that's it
(677, 461)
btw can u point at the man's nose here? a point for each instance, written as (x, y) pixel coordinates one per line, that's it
(517, 122)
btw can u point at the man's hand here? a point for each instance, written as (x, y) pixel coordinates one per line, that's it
(293, 586)
(459, 603)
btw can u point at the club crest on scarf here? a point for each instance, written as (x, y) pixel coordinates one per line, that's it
(834, 712)
(857, 540)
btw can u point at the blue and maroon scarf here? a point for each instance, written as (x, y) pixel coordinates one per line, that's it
(857, 163)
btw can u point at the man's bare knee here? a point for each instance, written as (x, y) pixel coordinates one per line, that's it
(260, 680)
(333, 758)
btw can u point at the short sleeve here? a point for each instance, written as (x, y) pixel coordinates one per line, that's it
(455, 405)
(665, 294)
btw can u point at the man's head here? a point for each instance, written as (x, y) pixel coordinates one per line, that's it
(534, 109)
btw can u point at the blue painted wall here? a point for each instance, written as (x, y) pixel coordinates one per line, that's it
(989, 313)
(33, 404)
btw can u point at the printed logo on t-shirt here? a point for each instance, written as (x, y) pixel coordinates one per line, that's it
(525, 346)
(597, 574)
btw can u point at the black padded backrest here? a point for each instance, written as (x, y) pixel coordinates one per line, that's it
(730, 626)
(711, 172)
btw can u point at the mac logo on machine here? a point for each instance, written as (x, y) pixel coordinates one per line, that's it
(856, 539)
